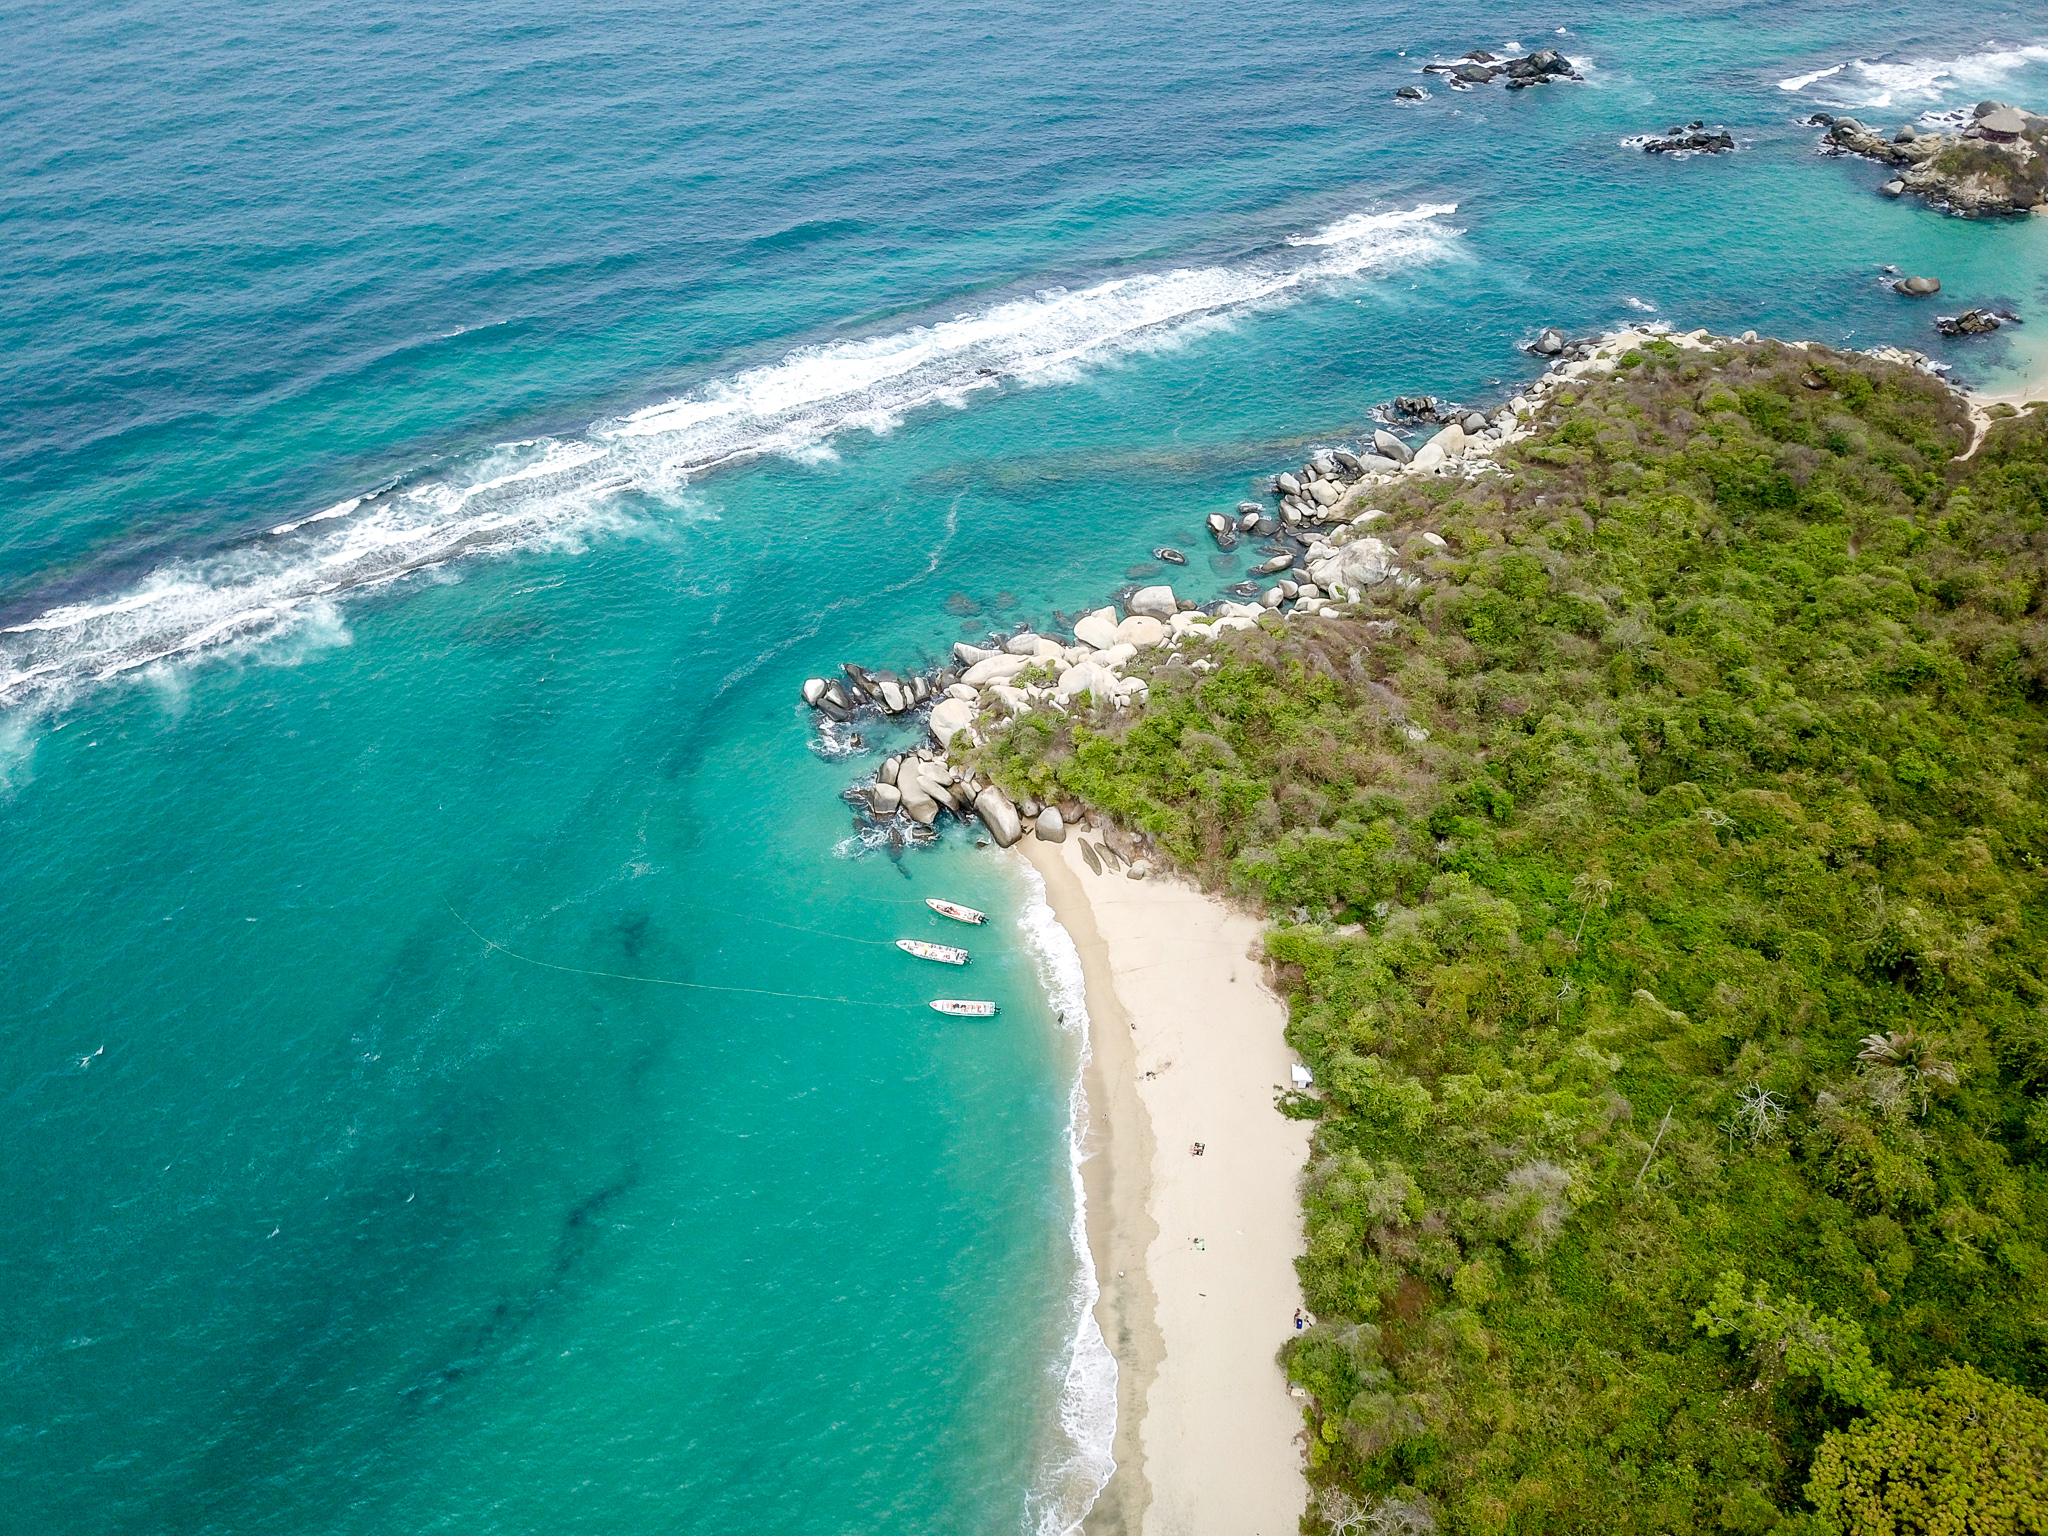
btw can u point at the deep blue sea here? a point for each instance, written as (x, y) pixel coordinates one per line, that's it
(437, 443)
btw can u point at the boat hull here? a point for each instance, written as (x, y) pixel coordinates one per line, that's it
(954, 910)
(944, 954)
(958, 1009)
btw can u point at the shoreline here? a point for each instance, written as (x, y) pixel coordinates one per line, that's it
(1193, 1255)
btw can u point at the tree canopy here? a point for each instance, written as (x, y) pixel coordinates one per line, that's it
(1660, 900)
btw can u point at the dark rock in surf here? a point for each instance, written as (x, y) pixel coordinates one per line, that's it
(1693, 139)
(1974, 322)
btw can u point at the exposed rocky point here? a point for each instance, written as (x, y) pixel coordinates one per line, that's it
(1996, 164)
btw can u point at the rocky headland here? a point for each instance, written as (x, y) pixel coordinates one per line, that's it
(1329, 554)
(1995, 163)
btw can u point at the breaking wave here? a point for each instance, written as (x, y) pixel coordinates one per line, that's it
(1916, 82)
(559, 490)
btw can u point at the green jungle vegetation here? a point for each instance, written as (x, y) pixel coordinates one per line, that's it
(1659, 892)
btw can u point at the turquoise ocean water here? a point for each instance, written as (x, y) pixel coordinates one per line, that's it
(438, 443)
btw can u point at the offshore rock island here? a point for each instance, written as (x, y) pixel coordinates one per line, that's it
(1646, 798)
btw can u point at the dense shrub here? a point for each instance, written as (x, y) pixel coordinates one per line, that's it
(1963, 1456)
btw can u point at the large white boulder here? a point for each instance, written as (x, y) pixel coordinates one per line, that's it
(967, 655)
(1188, 623)
(937, 782)
(1141, 632)
(918, 804)
(949, 717)
(1052, 826)
(1428, 456)
(1117, 654)
(1153, 602)
(1452, 441)
(1367, 563)
(1097, 629)
(995, 669)
(1089, 677)
(999, 816)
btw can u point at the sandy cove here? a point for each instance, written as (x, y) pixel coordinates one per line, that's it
(1195, 1254)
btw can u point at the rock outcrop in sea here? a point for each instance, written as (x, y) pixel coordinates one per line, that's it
(1975, 322)
(1995, 163)
(1695, 138)
(1480, 68)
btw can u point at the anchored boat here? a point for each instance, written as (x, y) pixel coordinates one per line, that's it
(965, 1010)
(954, 910)
(945, 954)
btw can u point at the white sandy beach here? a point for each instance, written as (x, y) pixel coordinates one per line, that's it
(1195, 1253)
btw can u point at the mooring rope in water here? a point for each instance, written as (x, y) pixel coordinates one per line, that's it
(663, 981)
(747, 917)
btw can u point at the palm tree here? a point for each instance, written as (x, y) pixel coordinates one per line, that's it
(1590, 889)
(1911, 1055)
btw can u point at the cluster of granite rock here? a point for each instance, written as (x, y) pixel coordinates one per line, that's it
(1481, 68)
(882, 689)
(1695, 138)
(1996, 163)
(1975, 322)
(921, 784)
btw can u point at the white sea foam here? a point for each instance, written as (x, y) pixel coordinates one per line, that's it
(1078, 1466)
(556, 489)
(1801, 82)
(1913, 82)
(1362, 227)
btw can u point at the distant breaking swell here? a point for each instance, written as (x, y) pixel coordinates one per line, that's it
(557, 490)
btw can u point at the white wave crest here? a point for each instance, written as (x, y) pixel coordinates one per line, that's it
(1801, 82)
(556, 489)
(1079, 1465)
(1361, 227)
(816, 392)
(1912, 82)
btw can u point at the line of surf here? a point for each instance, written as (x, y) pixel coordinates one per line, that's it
(637, 468)
(1893, 82)
(1077, 1465)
